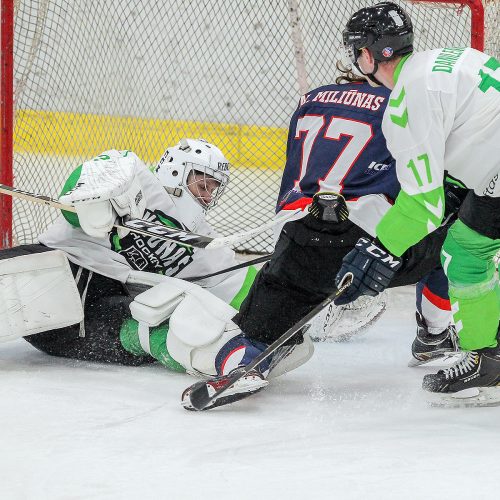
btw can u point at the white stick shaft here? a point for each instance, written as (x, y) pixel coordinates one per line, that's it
(226, 241)
(140, 226)
(35, 198)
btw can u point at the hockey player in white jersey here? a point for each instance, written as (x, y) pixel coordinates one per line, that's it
(443, 119)
(110, 268)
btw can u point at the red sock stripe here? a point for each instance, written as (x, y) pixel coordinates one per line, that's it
(436, 300)
(228, 356)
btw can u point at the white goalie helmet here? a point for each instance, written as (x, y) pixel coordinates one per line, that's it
(195, 173)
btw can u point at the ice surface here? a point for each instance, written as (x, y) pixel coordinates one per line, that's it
(350, 424)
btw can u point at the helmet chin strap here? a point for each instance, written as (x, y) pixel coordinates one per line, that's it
(372, 80)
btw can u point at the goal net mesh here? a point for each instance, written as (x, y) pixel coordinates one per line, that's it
(92, 75)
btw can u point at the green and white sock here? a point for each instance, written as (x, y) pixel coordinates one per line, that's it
(152, 341)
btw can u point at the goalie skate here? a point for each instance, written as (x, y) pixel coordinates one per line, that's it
(249, 384)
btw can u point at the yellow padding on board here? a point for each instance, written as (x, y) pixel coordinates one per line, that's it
(85, 135)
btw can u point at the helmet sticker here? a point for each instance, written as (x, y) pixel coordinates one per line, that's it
(396, 18)
(387, 52)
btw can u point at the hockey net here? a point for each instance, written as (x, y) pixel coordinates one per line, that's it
(91, 75)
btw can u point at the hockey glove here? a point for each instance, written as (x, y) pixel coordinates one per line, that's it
(454, 196)
(372, 268)
(107, 187)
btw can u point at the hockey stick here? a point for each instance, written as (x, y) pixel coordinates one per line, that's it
(258, 260)
(200, 397)
(140, 226)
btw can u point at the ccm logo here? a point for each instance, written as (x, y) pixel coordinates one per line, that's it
(380, 254)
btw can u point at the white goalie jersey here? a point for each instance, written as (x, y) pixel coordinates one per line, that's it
(115, 256)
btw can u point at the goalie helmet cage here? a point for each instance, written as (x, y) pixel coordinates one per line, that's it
(83, 76)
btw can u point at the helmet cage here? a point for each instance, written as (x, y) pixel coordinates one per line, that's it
(222, 178)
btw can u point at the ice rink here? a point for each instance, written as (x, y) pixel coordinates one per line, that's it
(350, 424)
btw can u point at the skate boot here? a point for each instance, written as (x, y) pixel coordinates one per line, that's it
(249, 384)
(472, 381)
(428, 347)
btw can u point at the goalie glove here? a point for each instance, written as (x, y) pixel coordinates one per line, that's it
(107, 188)
(372, 268)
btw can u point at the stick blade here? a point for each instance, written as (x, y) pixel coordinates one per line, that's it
(198, 397)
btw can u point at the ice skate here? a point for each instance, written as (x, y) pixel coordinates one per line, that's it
(249, 384)
(472, 381)
(429, 347)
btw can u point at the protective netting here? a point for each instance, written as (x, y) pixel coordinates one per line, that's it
(91, 75)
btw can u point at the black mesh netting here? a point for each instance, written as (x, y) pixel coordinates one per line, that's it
(91, 75)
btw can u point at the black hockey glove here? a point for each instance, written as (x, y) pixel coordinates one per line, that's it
(372, 268)
(454, 196)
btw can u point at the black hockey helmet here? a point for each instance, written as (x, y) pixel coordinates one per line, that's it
(384, 28)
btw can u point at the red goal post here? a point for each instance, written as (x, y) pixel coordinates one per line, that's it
(485, 20)
(79, 77)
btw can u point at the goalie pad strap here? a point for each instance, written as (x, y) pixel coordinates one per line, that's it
(143, 333)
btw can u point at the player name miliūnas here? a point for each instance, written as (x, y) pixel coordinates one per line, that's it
(348, 98)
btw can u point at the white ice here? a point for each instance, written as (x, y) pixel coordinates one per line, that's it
(350, 424)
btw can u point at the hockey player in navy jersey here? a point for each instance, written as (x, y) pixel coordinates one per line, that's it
(338, 166)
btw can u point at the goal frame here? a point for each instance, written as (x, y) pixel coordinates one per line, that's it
(6, 117)
(477, 17)
(7, 93)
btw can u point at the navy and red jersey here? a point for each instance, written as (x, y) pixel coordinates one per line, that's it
(335, 143)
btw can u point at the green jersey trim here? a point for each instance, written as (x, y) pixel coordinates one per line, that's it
(399, 67)
(245, 288)
(70, 183)
(410, 219)
(455, 182)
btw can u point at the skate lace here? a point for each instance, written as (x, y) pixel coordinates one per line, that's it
(467, 363)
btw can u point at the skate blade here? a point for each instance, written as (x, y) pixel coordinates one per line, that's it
(446, 359)
(475, 397)
(242, 389)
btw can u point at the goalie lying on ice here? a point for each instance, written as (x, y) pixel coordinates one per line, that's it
(188, 181)
(45, 298)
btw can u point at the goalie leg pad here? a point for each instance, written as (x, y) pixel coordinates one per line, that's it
(201, 359)
(197, 334)
(37, 293)
(157, 304)
(198, 331)
(290, 357)
(199, 322)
